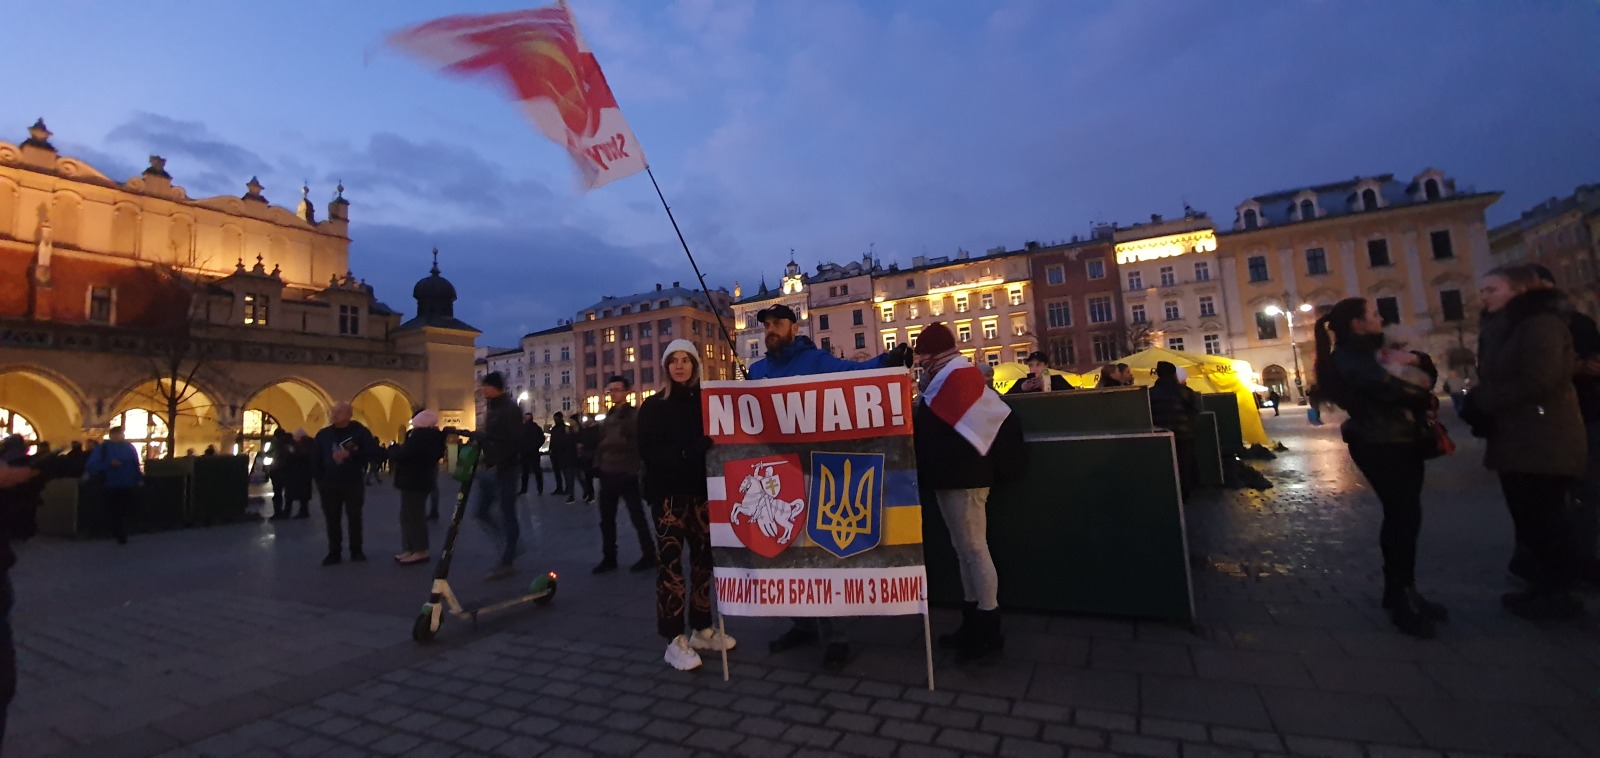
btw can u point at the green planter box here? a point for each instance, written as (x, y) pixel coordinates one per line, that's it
(1207, 451)
(1229, 432)
(220, 488)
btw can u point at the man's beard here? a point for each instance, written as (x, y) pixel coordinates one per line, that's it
(776, 343)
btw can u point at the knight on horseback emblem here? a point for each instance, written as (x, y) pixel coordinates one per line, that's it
(770, 510)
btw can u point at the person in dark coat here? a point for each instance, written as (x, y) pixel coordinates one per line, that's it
(1388, 441)
(1276, 400)
(563, 456)
(499, 440)
(295, 473)
(1536, 438)
(672, 448)
(281, 442)
(960, 476)
(339, 460)
(1038, 374)
(617, 459)
(416, 475)
(532, 441)
(588, 446)
(1173, 407)
(1586, 382)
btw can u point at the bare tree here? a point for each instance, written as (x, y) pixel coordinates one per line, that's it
(176, 357)
(1137, 336)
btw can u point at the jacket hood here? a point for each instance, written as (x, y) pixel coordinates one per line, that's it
(1535, 302)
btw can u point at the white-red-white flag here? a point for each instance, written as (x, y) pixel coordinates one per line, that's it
(960, 396)
(554, 77)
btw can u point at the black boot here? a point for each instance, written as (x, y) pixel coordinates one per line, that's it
(953, 640)
(1406, 611)
(985, 638)
(1397, 598)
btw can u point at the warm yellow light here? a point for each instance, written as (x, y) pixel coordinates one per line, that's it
(1203, 241)
(1305, 307)
(987, 281)
(1272, 310)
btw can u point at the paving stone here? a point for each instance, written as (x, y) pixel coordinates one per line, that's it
(895, 709)
(499, 717)
(1042, 712)
(1074, 736)
(535, 725)
(950, 717)
(577, 735)
(1395, 751)
(395, 744)
(760, 726)
(757, 747)
(1328, 714)
(1128, 744)
(522, 747)
(853, 722)
(1081, 688)
(450, 730)
(1366, 676)
(485, 739)
(967, 740)
(1119, 722)
(757, 706)
(1141, 657)
(720, 740)
(1181, 730)
(907, 731)
(861, 744)
(1321, 747)
(618, 744)
(879, 690)
(364, 735)
(801, 734)
(668, 730)
(1263, 742)
(804, 714)
(926, 751)
(1013, 747)
(1495, 728)
(930, 697)
(1251, 667)
(673, 709)
(1223, 703)
(1194, 750)
(335, 726)
(982, 703)
(1010, 726)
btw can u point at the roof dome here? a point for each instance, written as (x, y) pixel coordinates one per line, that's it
(435, 295)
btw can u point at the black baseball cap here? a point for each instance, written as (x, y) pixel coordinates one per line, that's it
(1038, 355)
(777, 311)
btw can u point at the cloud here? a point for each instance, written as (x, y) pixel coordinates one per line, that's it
(219, 166)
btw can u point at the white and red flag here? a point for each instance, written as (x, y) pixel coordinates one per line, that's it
(961, 397)
(554, 77)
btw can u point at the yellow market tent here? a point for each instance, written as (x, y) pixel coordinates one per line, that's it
(1206, 374)
(1007, 374)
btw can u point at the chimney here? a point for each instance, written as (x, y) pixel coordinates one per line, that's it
(674, 285)
(658, 286)
(918, 261)
(1155, 218)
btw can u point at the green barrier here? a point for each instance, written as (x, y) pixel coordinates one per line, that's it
(1229, 431)
(1122, 409)
(220, 488)
(1207, 451)
(161, 505)
(1096, 526)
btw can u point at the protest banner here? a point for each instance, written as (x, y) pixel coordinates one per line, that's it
(812, 487)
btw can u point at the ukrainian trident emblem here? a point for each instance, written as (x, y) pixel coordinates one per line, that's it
(846, 502)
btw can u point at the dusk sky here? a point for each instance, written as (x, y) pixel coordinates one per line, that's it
(914, 127)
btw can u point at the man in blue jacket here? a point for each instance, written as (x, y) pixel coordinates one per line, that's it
(790, 353)
(116, 464)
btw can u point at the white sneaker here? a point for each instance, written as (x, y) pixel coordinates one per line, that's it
(680, 656)
(712, 639)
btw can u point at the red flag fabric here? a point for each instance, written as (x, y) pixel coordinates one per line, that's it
(960, 396)
(552, 74)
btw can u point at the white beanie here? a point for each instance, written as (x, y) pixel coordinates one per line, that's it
(425, 418)
(681, 346)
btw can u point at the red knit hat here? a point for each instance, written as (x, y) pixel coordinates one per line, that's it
(935, 340)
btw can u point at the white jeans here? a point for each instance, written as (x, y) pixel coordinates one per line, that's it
(966, 516)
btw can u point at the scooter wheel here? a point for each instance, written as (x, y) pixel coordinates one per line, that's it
(548, 598)
(422, 630)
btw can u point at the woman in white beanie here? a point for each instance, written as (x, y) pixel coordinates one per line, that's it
(672, 446)
(416, 470)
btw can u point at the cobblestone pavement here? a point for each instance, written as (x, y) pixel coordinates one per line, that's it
(233, 641)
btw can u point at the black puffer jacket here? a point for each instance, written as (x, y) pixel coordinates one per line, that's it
(1527, 389)
(1173, 407)
(1384, 410)
(416, 463)
(499, 437)
(673, 445)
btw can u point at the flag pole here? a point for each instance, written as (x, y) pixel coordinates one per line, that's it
(739, 369)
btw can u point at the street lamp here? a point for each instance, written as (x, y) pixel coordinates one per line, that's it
(1294, 351)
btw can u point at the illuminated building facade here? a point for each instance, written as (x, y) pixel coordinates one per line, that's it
(1173, 294)
(1559, 234)
(842, 319)
(625, 336)
(986, 301)
(1416, 248)
(748, 332)
(1077, 305)
(109, 284)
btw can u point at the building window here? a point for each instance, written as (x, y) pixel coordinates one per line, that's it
(1059, 314)
(911, 284)
(914, 310)
(1213, 344)
(1369, 200)
(1054, 275)
(592, 404)
(1105, 348)
(1016, 295)
(991, 329)
(1202, 271)
(1208, 306)
(1138, 314)
(566, 404)
(647, 375)
(1308, 210)
(1430, 189)
(1171, 309)
(1450, 302)
(755, 348)
(255, 310)
(963, 304)
(100, 299)
(711, 351)
(629, 355)
(547, 355)
(644, 307)
(1135, 281)
(627, 331)
(1019, 326)
(610, 335)
(1440, 241)
(566, 354)
(646, 352)
(590, 382)
(566, 377)
(1097, 269)
(1378, 253)
(588, 339)
(1266, 326)
(861, 341)
(1250, 218)
(694, 326)
(664, 326)
(1175, 343)
(912, 333)
(1389, 309)
(992, 358)
(547, 380)
(1258, 268)
(889, 342)
(349, 320)
(827, 345)
(844, 289)
(1316, 261)
(964, 332)
(1063, 351)
(1169, 277)
(822, 322)
(986, 301)
(856, 317)
(833, 291)
(608, 357)
(1100, 310)
(625, 311)
(888, 314)
(590, 361)
(645, 332)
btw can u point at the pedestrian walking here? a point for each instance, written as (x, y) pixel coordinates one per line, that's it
(116, 465)
(959, 468)
(562, 447)
(416, 475)
(282, 440)
(1275, 400)
(672, 448)
(617, 460)
(1389, 440)
(499, 439)
(339, 460)
(790, 353)
(532, 441)
(1536, 438)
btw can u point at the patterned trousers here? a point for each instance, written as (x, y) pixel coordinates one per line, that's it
(682, 522)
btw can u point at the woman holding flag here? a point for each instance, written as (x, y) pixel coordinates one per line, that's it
(967, 439)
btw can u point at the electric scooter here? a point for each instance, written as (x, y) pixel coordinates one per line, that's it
(442, 599)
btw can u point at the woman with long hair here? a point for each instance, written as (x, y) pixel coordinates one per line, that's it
(1536, 439)
(1388, 439)
(672, 447)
